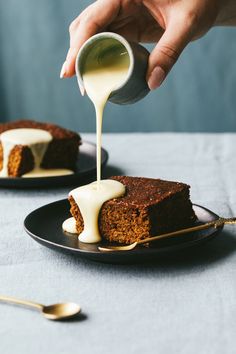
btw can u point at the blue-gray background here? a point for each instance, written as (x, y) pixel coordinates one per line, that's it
(199, 94)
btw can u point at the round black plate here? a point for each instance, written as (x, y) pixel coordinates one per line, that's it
(86, 167)
(45, 226)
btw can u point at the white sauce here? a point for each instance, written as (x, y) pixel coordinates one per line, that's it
(37, 140)
(69, 225)
(51, 172)
(90, 199)
(101, 77)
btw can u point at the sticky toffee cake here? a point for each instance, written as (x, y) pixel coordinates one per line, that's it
(149, 207)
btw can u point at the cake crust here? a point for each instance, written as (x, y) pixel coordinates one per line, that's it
(56, 131)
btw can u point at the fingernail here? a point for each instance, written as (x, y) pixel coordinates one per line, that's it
(156, 78)
(82, 89)
(63, 70)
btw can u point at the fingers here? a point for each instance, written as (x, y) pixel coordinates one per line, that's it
(92, 20)
(177, 35)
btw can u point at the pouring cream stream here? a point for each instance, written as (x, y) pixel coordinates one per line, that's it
(102, 74)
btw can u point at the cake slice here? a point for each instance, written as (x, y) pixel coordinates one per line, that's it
(149, 207)
(61, 152)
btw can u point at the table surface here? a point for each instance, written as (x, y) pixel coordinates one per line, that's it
(181, 305)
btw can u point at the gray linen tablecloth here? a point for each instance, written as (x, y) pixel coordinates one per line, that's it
(185, 305)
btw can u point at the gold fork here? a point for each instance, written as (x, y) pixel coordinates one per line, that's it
(216, 223)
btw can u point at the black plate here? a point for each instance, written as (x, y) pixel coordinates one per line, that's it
(45, 226)
(86, 167)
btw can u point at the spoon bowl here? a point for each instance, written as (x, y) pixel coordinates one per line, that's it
(51, 312)
(61, 311)
(118, 248)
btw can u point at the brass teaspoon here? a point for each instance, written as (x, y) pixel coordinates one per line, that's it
(51, 312)
(217, 223)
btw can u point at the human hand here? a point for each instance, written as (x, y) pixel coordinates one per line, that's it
(170, 23)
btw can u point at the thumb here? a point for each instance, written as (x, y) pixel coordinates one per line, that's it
(166, 53)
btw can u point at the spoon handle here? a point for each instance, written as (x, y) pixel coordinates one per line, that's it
(216, 223)
(16, 301)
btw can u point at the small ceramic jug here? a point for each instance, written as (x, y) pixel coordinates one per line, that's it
(135, 86)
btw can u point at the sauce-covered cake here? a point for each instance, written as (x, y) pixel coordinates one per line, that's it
(147, 208)
(33, 149)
